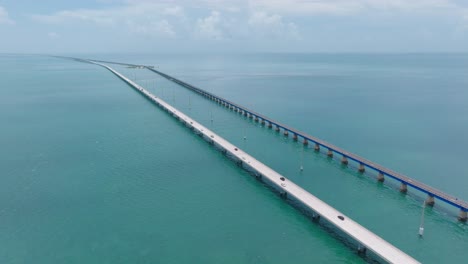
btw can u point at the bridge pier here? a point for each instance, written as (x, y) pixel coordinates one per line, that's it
(430, 200)
(403, 188)
(283, 194)
(244, 113)
(381, 177)
(295, 137)
(344, 160)
(277, 129)
(317, 147)
(362, 250)
(315, 217)
(251, 116)
(463, 216)
(305, 142)
(361, 168)
(256, 119)
(330, 153)
(270, 125)
(285, 132)
(263, 122)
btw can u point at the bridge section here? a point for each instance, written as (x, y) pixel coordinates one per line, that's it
(363, 236)
(362, 163)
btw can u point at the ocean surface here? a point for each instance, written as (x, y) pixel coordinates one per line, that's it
(91, 172)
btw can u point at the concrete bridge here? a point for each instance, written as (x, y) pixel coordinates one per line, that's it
(330, 149)
(365, 238)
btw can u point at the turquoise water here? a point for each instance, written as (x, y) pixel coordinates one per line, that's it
(94, 173)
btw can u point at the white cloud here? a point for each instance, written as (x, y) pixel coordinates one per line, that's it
(176, 11)
(4, 17)
(153, 28)
(100, 17)
(465, 18)
(344, 7)
(272, 26)
(111, 16)
(209, 27)
(145, 18)
(52, 35)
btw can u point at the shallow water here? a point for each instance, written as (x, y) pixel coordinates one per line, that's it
(93, 172)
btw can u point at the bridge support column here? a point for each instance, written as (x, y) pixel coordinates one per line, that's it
(270, 125)
(362, 250)
(381, 177)
(305, 142)
(317, 147)
(361, 168)
(256, 119)
(403, 188)
(295, 137)
(430, 200)
(251, 116)
(286, 132)
(463, 215)
(263, 122)
(244, 113)
(315, 217)
(277, 129)
(284, 194)
(344, 160)
(330, 153)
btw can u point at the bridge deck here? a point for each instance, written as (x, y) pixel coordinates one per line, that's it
(449, 199)
(379, 168)
(371, 241)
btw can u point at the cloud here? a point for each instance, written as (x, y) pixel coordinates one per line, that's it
(209, 27)
(153, 28)
(53, 35)
(465, 18)
(149, 19)
(267, 25)
(85, 15)
(4, 17)
(176, 11)
(347, 7)
(113, 15)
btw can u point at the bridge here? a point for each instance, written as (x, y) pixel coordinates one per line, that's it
(331, 150)
(365, 238)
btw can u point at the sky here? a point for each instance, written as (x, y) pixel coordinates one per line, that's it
(142, 26)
